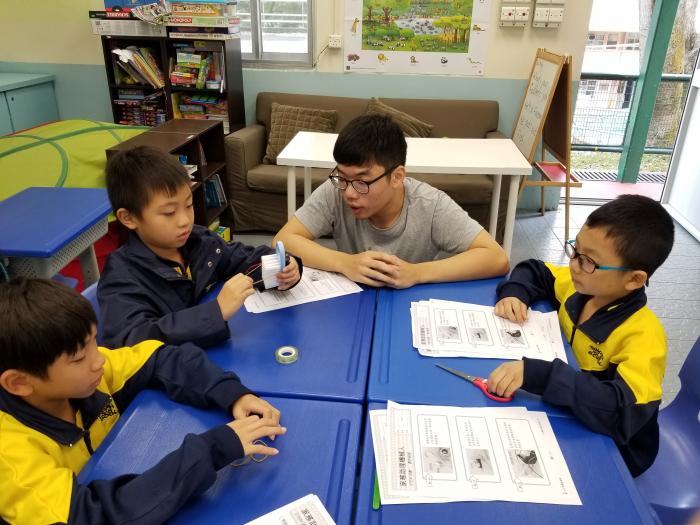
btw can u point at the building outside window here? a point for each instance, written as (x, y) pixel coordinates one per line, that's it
(276, 32)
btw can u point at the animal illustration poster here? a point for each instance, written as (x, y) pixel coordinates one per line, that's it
(445, 37)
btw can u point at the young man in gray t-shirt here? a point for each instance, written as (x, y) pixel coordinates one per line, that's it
(391, 230)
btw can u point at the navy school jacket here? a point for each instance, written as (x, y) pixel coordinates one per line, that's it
(621, 351)
(142, 296)
(40, 455)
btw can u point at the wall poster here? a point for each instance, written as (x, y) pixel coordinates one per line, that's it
(416, 36)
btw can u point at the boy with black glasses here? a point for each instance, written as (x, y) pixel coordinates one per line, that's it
(390, 230)
(618, 342)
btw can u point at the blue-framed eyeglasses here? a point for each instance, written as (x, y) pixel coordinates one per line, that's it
(360, 186)
(587, 264)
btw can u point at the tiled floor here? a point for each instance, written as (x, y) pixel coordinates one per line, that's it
(674, 292)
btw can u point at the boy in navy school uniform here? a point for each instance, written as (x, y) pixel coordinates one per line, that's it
(618, 342)
(60, 395)
(150, 287)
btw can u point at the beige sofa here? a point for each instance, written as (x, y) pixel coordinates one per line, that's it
(258, 191)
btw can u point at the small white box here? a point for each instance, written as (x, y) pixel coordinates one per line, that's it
(556, 15)
(507, 13)
(541, 14)
(522, 14)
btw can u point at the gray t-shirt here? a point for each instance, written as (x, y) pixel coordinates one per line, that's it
(431, 224)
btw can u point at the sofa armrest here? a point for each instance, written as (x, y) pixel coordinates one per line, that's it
(245, 148)
(495, 135)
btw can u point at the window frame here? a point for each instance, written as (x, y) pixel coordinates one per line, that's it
(260, 59)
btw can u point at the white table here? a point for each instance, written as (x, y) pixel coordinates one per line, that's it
(496, 157)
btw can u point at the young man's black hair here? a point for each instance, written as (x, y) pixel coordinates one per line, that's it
(371, 139)
(134, 175)
(41, 319)
(641, 228)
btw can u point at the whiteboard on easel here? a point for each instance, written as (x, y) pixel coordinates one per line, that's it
(536, 101)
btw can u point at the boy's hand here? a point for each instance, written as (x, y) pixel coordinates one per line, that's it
(373, 268)
(251, 428)
(288, 276)
(506, 379)
(250, 404)
(512, 309)
(233, 294)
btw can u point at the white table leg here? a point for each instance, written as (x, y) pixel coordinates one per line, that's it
(495, 198)
(88, 264)
(291, 192)
(307, 182)
(510, 213)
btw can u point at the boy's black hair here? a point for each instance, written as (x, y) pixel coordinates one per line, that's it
(641, 229)
(371, 139)
(41, 319)
(134, 175)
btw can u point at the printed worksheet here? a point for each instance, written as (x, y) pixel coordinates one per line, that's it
(465, 454)
(304, 511)
(315, 285)
(455, 329)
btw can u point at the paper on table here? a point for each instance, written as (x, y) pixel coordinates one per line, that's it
(455, 329)
(466, 454)
(315, 285)
(303, 511)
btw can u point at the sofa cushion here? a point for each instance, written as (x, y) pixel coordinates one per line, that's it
(411, 126)
(270, 178)
(286, 121)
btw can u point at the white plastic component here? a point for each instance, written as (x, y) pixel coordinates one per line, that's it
(556, 15)
(335, 41)
(522, 15)
(541, 14)
(507, 13)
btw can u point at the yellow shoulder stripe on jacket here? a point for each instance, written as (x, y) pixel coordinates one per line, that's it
(123, 363)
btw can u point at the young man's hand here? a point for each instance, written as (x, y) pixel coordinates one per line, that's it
(373, 268)
(289, 275)
(405, 274)
(233, 294)
(512, 309)
(253, 427)
(506, 379)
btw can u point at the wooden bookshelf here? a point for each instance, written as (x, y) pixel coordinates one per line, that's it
(160, 108)
(202, 142)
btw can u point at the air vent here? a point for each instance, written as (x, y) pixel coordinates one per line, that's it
(611, 176)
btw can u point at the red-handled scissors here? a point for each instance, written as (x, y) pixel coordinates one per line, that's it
(478, 382)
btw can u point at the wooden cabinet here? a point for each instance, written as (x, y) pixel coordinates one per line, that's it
(202, 143)
(144, 104)
(26, 100)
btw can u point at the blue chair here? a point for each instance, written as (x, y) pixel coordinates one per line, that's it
(672, 483)
(90, 293)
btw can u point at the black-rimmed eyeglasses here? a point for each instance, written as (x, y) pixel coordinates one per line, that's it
(587, 264)
(359, 185)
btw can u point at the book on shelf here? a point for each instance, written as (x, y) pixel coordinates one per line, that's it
(140, 65)
(203, 21)
(214, 192)
(203, 36)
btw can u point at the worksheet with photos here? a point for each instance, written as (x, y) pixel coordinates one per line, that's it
(304, 511)
(464, 454)
(454, 329)
(315, 285)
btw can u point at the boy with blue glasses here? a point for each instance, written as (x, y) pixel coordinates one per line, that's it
(618, 342)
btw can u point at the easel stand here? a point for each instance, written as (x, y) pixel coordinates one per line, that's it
(546, 110)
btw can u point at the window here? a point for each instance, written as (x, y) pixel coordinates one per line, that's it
(276, 31)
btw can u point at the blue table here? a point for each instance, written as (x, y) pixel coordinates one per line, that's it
(333, 337)
(399, 373)
(602, 480)
(46, 228)
(318, 454)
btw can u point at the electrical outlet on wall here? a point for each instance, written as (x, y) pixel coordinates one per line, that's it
(335, 41)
